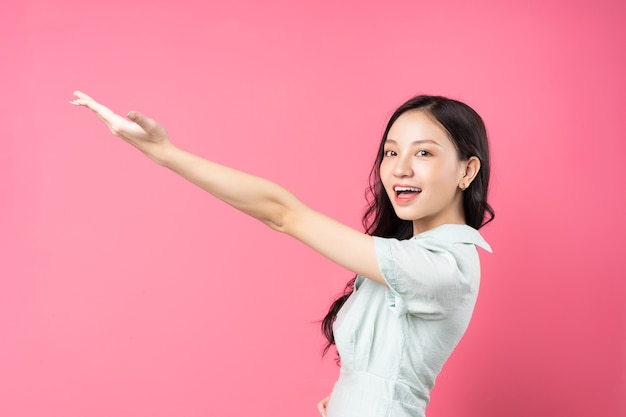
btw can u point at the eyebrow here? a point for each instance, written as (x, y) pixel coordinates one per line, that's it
(417, 142)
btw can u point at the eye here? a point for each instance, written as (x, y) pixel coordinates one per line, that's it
(390, 153)
(423, 153)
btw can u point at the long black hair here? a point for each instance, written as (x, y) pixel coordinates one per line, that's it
(467, 131)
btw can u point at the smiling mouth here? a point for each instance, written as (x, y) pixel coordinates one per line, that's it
(406, 191)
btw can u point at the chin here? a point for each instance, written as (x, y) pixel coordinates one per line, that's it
(407, 216)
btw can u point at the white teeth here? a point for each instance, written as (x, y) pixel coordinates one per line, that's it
(403, 189)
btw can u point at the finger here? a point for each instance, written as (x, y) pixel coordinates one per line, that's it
(81, 99)
(80, 94)
(321, 407)
(146, 123)
(101, 110)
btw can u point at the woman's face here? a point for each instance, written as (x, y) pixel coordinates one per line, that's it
(421, 172)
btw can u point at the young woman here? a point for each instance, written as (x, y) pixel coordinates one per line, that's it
(417, 268)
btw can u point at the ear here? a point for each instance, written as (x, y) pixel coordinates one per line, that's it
(471, 166)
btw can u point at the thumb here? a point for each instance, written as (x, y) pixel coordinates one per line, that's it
(147, 124)
(137, 117)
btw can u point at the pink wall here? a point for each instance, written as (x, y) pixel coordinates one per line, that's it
(126, 292)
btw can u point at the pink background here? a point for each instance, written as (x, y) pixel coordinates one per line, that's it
(125, 291)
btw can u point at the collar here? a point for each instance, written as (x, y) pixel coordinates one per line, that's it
(456, 233)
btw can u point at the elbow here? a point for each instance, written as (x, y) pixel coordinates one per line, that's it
(275, 224)
(278, 220)
(282, 214)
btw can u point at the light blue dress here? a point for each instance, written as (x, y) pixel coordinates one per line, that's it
(393, 340)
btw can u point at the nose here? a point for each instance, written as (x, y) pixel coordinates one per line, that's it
(403, 167)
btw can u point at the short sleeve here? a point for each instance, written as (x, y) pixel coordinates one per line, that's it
(427, 277)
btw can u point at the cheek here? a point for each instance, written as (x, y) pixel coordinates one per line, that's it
(384, 166)
(447, 175)
(385, 173)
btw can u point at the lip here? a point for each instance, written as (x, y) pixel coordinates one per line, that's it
(407, 197)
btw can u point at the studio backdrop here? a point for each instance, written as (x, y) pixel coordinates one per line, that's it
(127, 292)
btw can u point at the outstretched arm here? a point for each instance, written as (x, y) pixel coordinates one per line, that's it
(257, 197)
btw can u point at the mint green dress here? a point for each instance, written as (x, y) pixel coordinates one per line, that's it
(393, 340)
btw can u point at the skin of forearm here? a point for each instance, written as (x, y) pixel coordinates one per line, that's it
(255, 196)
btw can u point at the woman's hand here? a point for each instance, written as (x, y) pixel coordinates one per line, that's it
(323, 405)
(143, 133)
(257, 197)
